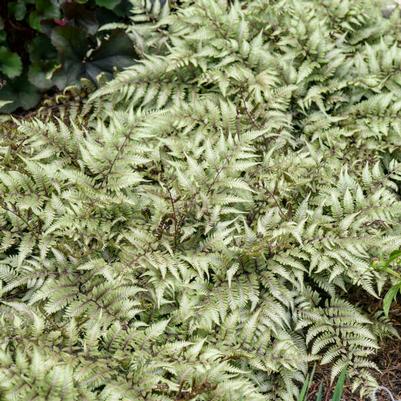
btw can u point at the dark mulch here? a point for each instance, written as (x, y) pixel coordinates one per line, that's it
(389, 360)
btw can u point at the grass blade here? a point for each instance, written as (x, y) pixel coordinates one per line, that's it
(306, 386)
(304, 389)
(338, 391)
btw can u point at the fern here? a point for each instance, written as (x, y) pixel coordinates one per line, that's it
(197, 234)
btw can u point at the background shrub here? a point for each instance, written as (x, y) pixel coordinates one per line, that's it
(51, 44)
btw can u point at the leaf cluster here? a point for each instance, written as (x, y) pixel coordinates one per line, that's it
(52, 44)
(201, 231)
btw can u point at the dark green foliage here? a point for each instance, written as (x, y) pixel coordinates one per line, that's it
(51, 44)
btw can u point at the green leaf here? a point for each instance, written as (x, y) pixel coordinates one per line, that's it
(10, 63)
(17, 9)
(115, 52)
(338, 391)
(67, 74)
(20, 93)
(306, 386)
(123, 9)
(110, 4)
(393, 256)
(48, 9)
(34, 21)
(42, 51)
(390, 297)
(39, 77)
(44, 58)
(72, 45)
(71, 42)
(304, 389)
(81, 16)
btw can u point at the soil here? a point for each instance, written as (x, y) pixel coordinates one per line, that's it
(388, 360)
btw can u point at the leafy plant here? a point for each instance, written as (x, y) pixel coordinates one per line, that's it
(48, 44)
(200, 232)
(387, 266)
